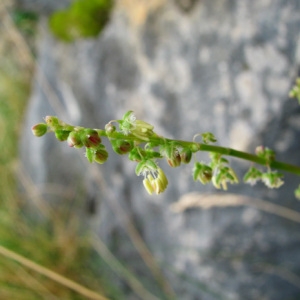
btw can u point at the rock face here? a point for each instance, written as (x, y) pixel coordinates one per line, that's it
(186, 67)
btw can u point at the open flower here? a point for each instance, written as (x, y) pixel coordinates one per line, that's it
(157, 183)
(155, 180)
(272, 179)
(252, 176)
(223, 176)
(138, 128)
(202, 172)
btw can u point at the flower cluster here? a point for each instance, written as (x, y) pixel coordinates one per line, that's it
(175, 154)
(272, 179)
(143, 146)
(75, 136)
(218, 172)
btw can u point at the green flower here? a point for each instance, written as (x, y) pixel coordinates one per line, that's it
(202, 172)
(223, 176)
(272, 179)
(138, 128)
(252, 176)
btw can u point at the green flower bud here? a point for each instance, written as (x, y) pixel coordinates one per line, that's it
(101, 156)
(39, 129)
(265, 153)
(74, 139)
(186, 155)
(62, 135)
(208, 137)
(52, 122)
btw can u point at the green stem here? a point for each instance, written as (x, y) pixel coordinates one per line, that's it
(211, 148)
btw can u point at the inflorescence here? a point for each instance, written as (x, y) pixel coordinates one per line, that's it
(137, 139)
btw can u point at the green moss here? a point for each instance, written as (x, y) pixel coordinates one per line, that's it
(83, 19)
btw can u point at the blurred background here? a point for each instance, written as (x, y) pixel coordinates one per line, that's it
(185, 66)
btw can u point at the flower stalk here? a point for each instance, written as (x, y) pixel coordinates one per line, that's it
(138, 140)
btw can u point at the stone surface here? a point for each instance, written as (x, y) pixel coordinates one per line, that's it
(185, 67)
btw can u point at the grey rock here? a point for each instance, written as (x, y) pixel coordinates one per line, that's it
(43, 7)
(219, 66)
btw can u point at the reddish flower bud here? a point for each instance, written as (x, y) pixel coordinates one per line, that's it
(175, 160)
(121, 147)
(91, 138)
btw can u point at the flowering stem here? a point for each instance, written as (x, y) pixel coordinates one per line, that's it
(209, 148)
(137, 139)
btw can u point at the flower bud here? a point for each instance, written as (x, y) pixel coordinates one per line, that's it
(62, 135)
(91, 138)
(52, 122)
(121, 146)
(175, 160)
(39, 129)
(186, 155)
(208, 137)
(101, 156)
(265, 153)
(74, 139)
(202, 172)
(110, 128)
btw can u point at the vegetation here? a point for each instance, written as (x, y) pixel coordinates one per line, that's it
(51, 243)
(83, 19)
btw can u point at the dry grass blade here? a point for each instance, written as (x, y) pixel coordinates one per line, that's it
(193, 200)
(51, 275)
(136, 286)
